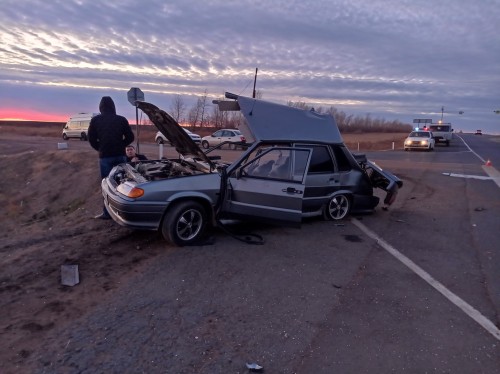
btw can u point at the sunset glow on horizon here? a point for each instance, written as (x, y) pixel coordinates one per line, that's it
(31, 115)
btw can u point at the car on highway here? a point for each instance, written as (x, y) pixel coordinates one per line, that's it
(161, 139)
(478, 132)
(232, 136)
(297, 166)
(442, 132)
(420, 140)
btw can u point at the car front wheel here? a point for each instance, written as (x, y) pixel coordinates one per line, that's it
(337, 208)
(185, 223)
(159, 140)
(65, 137)
(205, 144)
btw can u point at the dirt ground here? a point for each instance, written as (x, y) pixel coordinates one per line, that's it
(48, 200)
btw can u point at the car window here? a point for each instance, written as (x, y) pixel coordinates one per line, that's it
(217, 133)
(440, 128)
(283, 164)
(227, 134)
(343, 163)
(321, 160)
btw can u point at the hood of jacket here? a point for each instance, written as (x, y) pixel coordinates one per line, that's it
(107, 105)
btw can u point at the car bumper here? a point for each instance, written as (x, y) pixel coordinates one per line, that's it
(417, 146)
(131, 212)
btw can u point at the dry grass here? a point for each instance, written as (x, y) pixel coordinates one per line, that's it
(361, 141)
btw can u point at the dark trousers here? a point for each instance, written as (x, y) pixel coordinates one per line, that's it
(105, 166)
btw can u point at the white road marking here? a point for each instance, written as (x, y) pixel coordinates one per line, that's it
(493, 173)
(470, 149)
(490, 170)
(482, 177)
(465, 307)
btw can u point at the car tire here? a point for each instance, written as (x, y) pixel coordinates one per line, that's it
(205, 144)
(83, 137)
(185, 223)
(159, 140)
(337, 208)
(65, 137)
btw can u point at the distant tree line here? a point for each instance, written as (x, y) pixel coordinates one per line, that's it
(203, 114)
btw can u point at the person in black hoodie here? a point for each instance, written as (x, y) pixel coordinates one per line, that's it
(109, 134)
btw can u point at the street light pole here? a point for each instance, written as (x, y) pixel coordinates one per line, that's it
(254, 82)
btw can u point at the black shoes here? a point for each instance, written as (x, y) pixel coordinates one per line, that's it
(103, 216)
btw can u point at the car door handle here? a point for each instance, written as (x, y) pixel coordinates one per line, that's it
(292, 190)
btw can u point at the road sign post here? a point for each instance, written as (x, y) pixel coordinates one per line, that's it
(134, 95)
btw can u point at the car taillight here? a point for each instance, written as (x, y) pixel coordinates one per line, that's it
(242, 139)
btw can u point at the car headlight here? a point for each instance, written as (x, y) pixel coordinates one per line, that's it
(130, 190)
(407, 141)
(424, 142)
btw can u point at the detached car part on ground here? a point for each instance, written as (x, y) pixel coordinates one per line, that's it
(297, 166)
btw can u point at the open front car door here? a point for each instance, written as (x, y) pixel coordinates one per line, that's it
(269, 187)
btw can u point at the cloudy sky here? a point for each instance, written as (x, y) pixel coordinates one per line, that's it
(390, 59)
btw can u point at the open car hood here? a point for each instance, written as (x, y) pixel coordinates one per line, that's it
(173, 132)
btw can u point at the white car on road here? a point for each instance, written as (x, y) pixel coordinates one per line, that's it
(420, 140)
(160, 138)
(223, 135)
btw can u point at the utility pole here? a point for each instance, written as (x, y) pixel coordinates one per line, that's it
(254, 82)
(442, 112)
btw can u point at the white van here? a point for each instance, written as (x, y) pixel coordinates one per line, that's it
(77, 126)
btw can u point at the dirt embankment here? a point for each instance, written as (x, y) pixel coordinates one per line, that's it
(48, 201)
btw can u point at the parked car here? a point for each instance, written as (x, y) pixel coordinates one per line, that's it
(420, 140)
(161, 139)
(77, 126)
(223, 135)
(479, 132)
(296, 167)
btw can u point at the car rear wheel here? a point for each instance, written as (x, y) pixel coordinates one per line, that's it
(205, 144)
(65, 137)
(159, 140)
(185, 223)
(83, 136)
(337, 208)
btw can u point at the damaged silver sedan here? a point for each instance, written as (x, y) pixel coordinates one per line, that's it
(296, 166)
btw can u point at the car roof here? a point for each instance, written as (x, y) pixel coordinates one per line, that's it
(267, 121)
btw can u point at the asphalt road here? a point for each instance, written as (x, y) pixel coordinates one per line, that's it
(413, 289)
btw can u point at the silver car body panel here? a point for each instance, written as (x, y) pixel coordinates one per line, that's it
(270, 187)
(276, 122)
